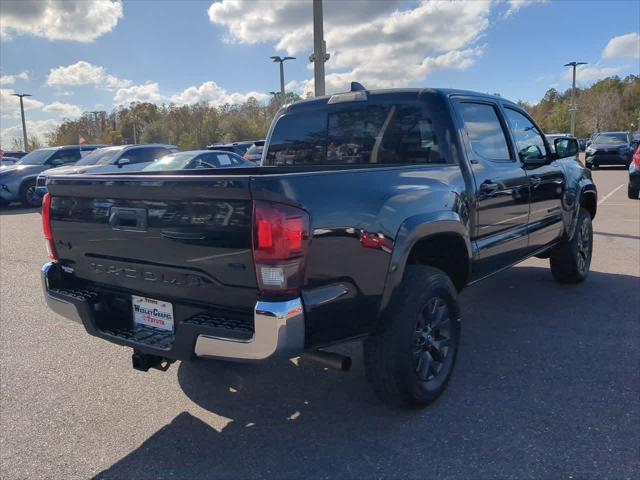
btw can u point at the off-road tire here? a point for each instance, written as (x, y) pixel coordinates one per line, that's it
(395, 354)
(571, 260)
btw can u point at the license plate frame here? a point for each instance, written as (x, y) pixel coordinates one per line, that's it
(151, 312)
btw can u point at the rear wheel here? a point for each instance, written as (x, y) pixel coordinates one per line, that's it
(571, 260)
(28, 195)
(410, 360)
(632, 193)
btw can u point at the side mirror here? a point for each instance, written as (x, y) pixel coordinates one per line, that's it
(635, 144)
(123, 161)
(566, 147)
(532, 156)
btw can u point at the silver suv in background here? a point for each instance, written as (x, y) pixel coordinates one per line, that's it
(18, 181)
(120, 158)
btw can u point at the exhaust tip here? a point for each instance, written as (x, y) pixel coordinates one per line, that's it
(332, 360)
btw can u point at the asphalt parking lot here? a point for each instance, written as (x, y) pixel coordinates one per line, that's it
(547, 386)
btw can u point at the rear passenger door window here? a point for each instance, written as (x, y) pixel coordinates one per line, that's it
(487, 138)
(135, 155)
(529, 141)
(70, 155)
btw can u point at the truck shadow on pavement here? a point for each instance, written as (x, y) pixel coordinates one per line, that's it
(545, 375)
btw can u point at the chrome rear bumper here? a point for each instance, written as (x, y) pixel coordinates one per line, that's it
(279, 327)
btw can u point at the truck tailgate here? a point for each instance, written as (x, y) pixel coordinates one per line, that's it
(166, 237)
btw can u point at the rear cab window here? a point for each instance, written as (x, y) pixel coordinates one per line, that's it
(359, 133)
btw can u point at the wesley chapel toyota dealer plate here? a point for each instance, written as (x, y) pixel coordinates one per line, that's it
(152, 313)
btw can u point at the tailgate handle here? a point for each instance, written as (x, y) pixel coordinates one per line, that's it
(183, 235)
(128, 219)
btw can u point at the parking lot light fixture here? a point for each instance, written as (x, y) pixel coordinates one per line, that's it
(281, 60)
(573, 108)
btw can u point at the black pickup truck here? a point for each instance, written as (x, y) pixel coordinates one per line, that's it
(370, 212)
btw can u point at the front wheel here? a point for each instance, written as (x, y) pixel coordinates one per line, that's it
(632, 193)
(28, 195)
(409, 360)
(571, 260)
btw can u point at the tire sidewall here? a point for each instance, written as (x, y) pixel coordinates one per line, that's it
(582, 218)
(406, 314)
(23, 193)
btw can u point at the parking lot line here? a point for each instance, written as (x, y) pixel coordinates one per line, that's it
(610, 193)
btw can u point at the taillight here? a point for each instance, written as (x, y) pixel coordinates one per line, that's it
(636, 159)
(46, 228)
(280, 241)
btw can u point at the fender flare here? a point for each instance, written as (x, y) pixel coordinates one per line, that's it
(588, 189)
(412, 230)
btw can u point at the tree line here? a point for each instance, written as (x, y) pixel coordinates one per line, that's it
(609, 104)
(189, 127)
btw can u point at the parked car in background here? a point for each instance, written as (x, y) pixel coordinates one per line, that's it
(120, 158)
(236, 147)
(196, 159)
(609, 148)
(12, 153)
(633, 188)
(9, 160)
(18, 181)
(254, 153)
(371, 212)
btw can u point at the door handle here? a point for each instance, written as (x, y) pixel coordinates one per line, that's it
(534, 181)
(488, 187)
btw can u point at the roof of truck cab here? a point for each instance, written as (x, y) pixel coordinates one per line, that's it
(405, 92)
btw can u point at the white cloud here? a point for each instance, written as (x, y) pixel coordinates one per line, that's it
(84, 73)
(213, 94)
(624, 46)
(11, 79)
(515, 5)
(591, 73)
(149, 92)
(9, 103)
(63, 93)
(382, 44)
(64, 110)
(78, 20)
(36, 128)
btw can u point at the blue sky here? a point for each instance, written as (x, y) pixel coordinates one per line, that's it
(96, 54)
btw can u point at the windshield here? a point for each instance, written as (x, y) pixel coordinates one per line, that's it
(37, 157)
(174, 161)
(610, 138)
(101, 156)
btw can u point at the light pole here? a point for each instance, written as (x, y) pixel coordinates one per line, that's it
(24, 125)
(573, 96)
(319, 55)
(281, 60)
